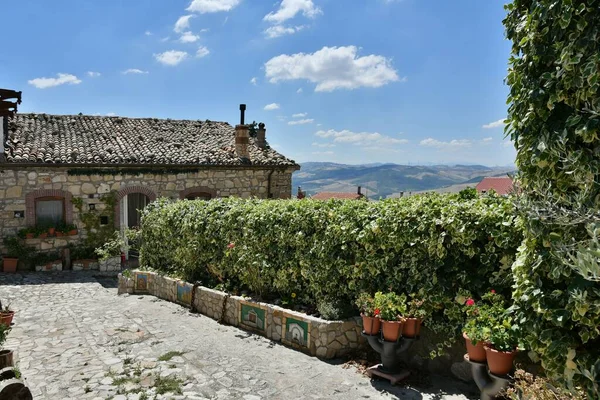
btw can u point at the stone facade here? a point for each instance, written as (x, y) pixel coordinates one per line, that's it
(327, 339)
(19, 186)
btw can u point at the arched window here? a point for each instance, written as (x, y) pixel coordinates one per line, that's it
(198, 193)
(130, 201)
(48, 207)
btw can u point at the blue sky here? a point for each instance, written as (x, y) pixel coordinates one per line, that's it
(352, 81)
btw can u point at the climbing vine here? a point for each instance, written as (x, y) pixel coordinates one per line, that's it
(98, 233)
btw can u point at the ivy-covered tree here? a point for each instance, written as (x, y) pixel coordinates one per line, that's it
(554, 121)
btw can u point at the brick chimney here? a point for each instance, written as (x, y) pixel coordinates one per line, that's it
(261, 134)
(242, 138)
(359, 191)
(300, 194)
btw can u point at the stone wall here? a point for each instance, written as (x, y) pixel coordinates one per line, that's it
(325, 339)
(17, 183)
(314, 336)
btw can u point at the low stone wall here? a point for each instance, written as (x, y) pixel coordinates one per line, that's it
(314, 336)
(51, 266)
(110, 264)
(85, 265)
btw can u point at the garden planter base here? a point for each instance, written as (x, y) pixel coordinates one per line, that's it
(489, 384)
(390, 367)
(14, 389)
(393, 378)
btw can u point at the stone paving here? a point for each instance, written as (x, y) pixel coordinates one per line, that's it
(74, 338)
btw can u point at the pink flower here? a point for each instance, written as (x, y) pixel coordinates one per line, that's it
(493, 291)
(470, 302)
(231, 245)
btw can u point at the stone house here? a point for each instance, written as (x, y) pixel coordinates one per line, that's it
(56, 168)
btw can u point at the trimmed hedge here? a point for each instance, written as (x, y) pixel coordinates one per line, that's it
(443, 247)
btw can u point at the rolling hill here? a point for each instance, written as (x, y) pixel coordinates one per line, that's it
(389, 180)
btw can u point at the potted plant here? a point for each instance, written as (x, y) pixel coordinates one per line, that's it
(6, 315)
(27, 233)
(51, 230)
(369, 314)
(6, 356)
(14, 249)
(110, 252)
(416, 312)
(476, 331)
(41, 232)
(391, 307)
(503, 342)
(47, 261)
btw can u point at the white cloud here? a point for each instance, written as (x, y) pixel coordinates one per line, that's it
(211, 6)
(299, 90)
(182, 23)
(111, 114)
(487, 139)
(93, 74)
(495, 124)
(148, 33)
(360, 138)
(280, 30)
(61, 79)
(323, 145)
(322, 153)
(134, 71)
(171, 57)
(271, 107)
(289, 8)
(299, 115)
(455, 143)
(202, 52)
(188, 37)
(253, 81)
(301, 121)
(165, 39)
(332, 68)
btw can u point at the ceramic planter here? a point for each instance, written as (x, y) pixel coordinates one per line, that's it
(29, 236)
(6, 359)
(412, 327)
(10, 264)
(6, 317)
(392, 330)
(476, 351)
(371, 325)
(51, 231)
(500, 362)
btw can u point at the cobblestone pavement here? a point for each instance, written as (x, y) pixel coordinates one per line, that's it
(74, 338)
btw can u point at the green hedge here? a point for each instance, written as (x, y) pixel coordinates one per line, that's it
(326, 253)
(554, 121)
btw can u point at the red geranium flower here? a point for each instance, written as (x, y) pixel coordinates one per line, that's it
(231, 245)
(470, 302)
(376, 312)
(493, 291)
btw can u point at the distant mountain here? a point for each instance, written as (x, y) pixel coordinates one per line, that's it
(389, 180)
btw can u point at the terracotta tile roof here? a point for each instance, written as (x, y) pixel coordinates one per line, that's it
(336, 195)
(82, 139)
(502, 185)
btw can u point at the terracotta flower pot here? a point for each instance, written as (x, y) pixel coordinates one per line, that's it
(43, 235)
(412, 327)
(371, 325)
(476, 351)
(6, 359)
(51, 231)
(500, 362)
(72, 232)
(10, 264)
(392, 330)
(29, 236)
(59, 234)
(6, 317)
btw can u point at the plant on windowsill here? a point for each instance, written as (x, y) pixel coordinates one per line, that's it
(66, 230)
(27, 233)
(6, 356)
(41, 232)
(392, 308)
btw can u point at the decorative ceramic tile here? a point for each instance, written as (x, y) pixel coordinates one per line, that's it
(184, 293)
(296, 332)
(141, 282)
(253, 316)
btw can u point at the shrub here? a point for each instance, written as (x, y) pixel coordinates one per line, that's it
(434, 245)
(554, 120)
